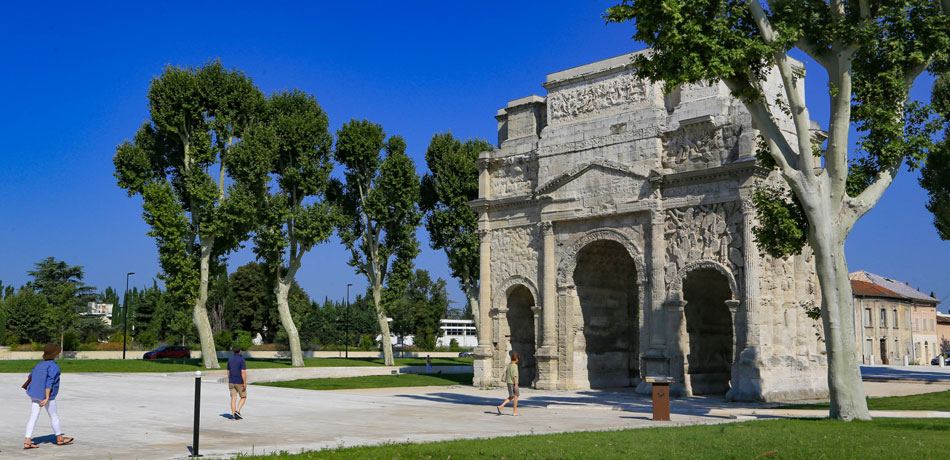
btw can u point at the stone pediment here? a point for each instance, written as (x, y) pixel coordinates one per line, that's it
(591, 177)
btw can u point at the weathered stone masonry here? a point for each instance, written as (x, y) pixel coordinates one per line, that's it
(615, 227)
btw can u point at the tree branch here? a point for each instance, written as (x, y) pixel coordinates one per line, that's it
(836, 156)
(861, 204)
(783, 154)
(790, 81)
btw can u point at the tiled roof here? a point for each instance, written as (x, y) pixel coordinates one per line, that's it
(866, 289)
(893, 285)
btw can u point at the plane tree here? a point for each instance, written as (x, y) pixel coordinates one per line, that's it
(286, 158)
(872, 53)
(380, 205)
(452, 181)
(178, 163)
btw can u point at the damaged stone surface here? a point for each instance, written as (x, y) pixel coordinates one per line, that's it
(615, 226)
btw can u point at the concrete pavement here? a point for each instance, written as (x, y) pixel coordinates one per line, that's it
(149, 416)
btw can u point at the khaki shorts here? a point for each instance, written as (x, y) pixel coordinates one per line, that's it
(238, 389)
(512, 391)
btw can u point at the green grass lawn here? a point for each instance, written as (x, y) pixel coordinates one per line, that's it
(376, 381)
(768, 439)
(939, 400)
(185, 365)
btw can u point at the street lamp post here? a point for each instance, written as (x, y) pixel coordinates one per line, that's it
(125, 312)
(346, 320)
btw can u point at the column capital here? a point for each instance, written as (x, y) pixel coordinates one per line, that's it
(546, 226)
(483, 234)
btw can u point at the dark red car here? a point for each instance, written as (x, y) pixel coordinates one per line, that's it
(168, 351)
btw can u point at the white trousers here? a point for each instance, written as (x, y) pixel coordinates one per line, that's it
(35, 414)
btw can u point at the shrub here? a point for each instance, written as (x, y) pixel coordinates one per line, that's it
(224, 340)
(454, 345)
(367, 342)
(116, 337)
(244, 340)
(12, 340)
(147, 339)
(107, 346)
(70, 341)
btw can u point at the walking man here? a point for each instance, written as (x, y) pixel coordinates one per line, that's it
(428, 364)
(511, 378)
(237, 382)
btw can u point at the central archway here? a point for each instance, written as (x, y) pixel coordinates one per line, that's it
(521, 327)
(710, 330)
(606, 281)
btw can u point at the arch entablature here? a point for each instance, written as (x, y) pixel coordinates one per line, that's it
(501, 294)
(568, 262)
(676, 284)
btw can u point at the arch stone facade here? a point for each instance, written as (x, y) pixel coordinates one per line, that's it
(605, 156)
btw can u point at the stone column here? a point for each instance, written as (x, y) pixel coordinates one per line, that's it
(547, 354)
(483, 353)
(733, 306)
(678, 347)
(750, 255)
(654, 359)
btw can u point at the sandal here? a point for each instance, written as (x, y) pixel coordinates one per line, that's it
(65, 441)
(30, 445)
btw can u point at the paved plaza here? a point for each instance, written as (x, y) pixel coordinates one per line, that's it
(149, 416)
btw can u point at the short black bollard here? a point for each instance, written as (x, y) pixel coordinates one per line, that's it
(194, 443)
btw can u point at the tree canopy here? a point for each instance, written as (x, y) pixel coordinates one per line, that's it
(380, 207)
(177, 163)
(452, 182)
(872, 53)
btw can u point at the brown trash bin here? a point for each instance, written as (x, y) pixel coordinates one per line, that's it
(661, 397)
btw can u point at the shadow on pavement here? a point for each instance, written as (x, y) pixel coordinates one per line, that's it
(882, 372)
(628, 401)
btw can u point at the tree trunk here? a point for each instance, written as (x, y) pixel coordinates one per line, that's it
(282, 290)
(205, 336)
(837, 314)
(471, 295)
(383, 328)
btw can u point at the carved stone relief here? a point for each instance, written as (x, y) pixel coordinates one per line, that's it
(591, 98)
(700, 145)
(710, 232)
(518, 252)
(514, 175)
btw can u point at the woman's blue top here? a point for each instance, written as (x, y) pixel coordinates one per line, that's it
(44, 375)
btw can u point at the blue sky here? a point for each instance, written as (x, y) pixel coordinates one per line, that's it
(75, 77)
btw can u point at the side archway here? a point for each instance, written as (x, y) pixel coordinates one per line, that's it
(676, 284)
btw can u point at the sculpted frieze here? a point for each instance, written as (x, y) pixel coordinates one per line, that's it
(591, 98)
(710, 232)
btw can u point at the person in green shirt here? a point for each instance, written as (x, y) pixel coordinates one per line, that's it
(511, 378)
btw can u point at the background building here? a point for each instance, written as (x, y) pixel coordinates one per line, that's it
(923, 314)
(882, 324)
(99, 309)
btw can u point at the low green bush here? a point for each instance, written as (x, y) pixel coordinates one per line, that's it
(70, 341)
(244, 340)
(224, 339)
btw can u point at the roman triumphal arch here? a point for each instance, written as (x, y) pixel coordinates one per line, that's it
(616, 242)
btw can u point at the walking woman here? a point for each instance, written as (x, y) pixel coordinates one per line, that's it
(42, 387)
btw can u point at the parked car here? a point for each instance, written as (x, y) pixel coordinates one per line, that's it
(466, 354)
(946, 359)
(168, 351)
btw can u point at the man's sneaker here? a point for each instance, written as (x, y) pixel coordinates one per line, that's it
(237, 416)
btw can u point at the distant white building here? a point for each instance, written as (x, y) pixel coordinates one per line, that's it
(102, 310)
(461, 330)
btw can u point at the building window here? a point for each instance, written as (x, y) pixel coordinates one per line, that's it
(894, 318)
(883, 318)
(907, 318)
(867, 317)
(916, 324)
(931, 325)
